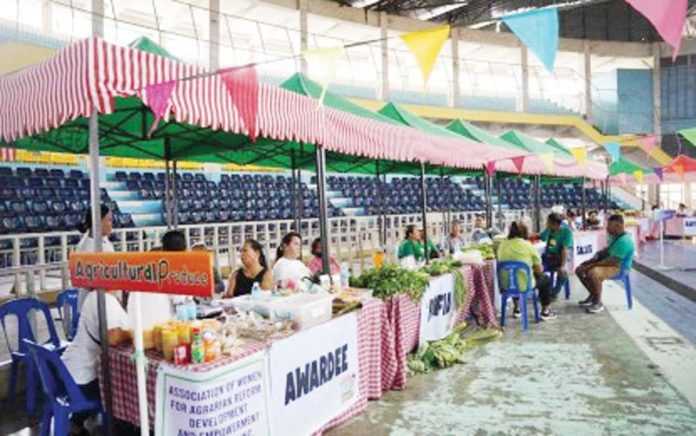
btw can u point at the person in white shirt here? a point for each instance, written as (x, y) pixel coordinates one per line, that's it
(82, 354)
(288, 265)
(87, 243)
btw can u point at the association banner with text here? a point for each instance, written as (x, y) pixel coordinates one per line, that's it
(181, 273)
(585, 246)
(314, 376)
(437, 309)
(229, 400)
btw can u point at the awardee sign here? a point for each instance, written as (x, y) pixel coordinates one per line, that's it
(437, 309)
(314, 376)
(585, 246)
(181, 273)
(230, 400)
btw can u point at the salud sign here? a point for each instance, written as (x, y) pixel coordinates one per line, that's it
(181, 273)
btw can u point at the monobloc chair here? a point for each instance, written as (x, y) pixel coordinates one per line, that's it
(62, 394)
(624, 277)
(512, 290)
(68, 311)
(553, 276)
(21, 308)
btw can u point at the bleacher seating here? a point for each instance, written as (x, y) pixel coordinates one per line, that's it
(43, 200)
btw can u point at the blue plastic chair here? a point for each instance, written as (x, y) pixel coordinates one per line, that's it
(624, 277)
(512, 290)
(63, 395)
(553, 276)
(69, 312)
(20, 308)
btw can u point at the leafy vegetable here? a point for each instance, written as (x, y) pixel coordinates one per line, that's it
(444, 266)
(390, 280)
(487, 250)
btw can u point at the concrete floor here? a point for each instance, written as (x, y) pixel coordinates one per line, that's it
(580, 374)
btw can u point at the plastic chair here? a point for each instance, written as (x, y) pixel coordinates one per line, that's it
(553, 276)
(61, 391)
(21, 308)
(624, 277)
(512, 290)
(68, 299)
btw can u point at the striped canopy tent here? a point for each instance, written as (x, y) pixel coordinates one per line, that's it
(681, 169)
(47, 105)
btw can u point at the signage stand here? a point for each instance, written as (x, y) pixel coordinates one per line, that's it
(662, 265)
(140, 364)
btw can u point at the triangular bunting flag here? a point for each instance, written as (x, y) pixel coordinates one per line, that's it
(321, 64)
(614, 150)
(658, 173)
(490, 168)
(425, 46)
(622, 178)
(668, 18)
(679, 169)
(690, 135)
(518, 161)
(538, 30)
(648, 143)
(547, 158)
(243, 86)
(580, 154)
(158, 100)
(638, 174)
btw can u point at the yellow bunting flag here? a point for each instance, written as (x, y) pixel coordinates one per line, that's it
(580, 154)
(638, 174)
(425, 46)
(679, 169)
(547, 158)
(321, 64)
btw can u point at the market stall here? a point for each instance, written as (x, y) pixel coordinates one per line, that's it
(681, 227)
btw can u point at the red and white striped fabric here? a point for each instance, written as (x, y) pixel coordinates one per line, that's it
(92, 72)
(8, 154)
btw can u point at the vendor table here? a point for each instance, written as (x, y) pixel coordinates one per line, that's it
(401, 322)
(124, 386)
(681, 226)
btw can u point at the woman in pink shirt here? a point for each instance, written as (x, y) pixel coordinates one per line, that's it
(315, 265)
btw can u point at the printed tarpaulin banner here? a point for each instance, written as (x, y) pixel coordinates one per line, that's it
(182, 273)
(437, 309)
(229, 400)
(585, 246)
(314, 376)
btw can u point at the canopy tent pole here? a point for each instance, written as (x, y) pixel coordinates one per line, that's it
(584, 205)
(445, 222)
(294, 191)
(381, 224)
(489, 198)
(605, 187)
(537, 203)
(323, 211)
(300, 198)
(424, 205)
(175, 198)
(500, 204)
(97, 236)
(167, 195)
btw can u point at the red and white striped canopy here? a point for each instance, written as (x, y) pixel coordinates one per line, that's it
(89, 74)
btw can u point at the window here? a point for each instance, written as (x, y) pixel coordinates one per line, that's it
(671, 194)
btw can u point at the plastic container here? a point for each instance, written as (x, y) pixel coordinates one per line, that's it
(170, 340)
(197, 349)
(264, 306)
(306, 310)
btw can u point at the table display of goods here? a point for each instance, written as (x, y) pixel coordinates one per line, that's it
(184, 341)
(449, 266)
(390, 280)
(349, 299)
(303, 309)
(487, 250)
(254, 326)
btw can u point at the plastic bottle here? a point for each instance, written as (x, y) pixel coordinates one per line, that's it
(197, 348)
(256, 290)
(345, 276)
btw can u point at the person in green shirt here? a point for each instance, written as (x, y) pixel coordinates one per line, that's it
(606, 263)
(413, 245)
(516, 247)
(559, 242)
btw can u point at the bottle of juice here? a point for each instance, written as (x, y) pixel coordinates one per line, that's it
(197, 348)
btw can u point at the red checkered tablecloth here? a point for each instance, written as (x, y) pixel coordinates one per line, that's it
(125, 390)
(480, 291)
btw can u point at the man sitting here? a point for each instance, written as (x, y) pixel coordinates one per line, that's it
(559, 240)
(606, 263)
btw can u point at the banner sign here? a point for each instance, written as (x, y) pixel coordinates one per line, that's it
(689, 226)
(181, 273)
(314, 376)
(437, 309)
(663, 214)
(230, 400)
(585, 246)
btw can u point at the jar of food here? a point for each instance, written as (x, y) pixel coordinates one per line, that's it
(170, 339)
(184, 334)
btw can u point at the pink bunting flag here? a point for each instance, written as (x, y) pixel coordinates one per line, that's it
(243, 86)
(667, 16)
(158, 99)
(658, 172)
(518, 161)
(623, 179)
(490, 168)
(648, 143)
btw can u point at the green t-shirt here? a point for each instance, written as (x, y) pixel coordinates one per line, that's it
(520, 250)
(557, 240)
(415, 249)
(622, 248)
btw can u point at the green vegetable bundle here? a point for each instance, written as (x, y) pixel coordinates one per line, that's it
(487, 250)
(390, 280)
(444, 266)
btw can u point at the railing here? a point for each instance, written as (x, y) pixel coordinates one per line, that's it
(353, 240)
